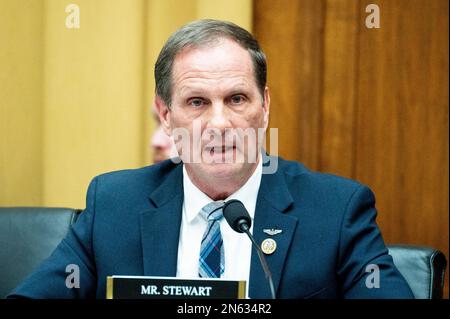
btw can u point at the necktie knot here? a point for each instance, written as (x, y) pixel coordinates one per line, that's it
(213, 211)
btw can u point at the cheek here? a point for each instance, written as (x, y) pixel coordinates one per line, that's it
(255, 119)
(178, 121)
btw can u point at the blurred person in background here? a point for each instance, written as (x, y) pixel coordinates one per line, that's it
(162, 145)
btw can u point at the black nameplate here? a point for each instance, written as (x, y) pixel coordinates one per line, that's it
(137, 287)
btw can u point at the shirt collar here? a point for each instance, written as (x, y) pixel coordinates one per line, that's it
(195, 199)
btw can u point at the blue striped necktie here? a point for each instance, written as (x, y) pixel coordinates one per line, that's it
(212, 260)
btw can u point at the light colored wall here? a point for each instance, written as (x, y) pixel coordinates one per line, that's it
(21, 72)
(77, 102)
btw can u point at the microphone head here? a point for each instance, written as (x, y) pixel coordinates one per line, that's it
(236, 215)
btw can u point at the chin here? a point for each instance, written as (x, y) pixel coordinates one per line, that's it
(225, 171)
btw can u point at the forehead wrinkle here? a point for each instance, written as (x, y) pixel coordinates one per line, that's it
(198, 83)
(206, 75)
(205, 68)
(205, 88)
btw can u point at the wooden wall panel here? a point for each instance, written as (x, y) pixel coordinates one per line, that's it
(402, 144)
(370, 104)
(339, 75)
(294, 74)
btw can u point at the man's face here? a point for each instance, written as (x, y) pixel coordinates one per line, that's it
(214, 90)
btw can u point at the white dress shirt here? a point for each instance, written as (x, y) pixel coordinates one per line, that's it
(237, 246)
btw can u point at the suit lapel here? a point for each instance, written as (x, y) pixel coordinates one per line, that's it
(274, 199)
(160, 226)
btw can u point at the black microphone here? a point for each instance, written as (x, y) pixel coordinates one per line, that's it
(239, 220)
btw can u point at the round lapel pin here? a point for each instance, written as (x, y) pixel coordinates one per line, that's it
(268, 246)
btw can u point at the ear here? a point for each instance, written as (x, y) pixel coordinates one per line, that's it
(266, 106)
(163, 112)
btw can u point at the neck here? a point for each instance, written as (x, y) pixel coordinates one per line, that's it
(220, 188)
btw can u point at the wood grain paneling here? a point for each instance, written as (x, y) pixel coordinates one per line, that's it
(294, 72)
(402, 144)
(370, 104)
(339, 76)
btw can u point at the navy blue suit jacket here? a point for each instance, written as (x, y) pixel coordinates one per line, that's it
(131, 227)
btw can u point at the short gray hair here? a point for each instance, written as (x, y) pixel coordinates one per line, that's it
(199, 33)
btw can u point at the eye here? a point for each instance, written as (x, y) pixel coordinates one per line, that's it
(237, 99)
(196, 102)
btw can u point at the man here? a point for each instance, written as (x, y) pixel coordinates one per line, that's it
(156, 221)
(162, 145)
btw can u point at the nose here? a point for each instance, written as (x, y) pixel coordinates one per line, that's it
(219, 117)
